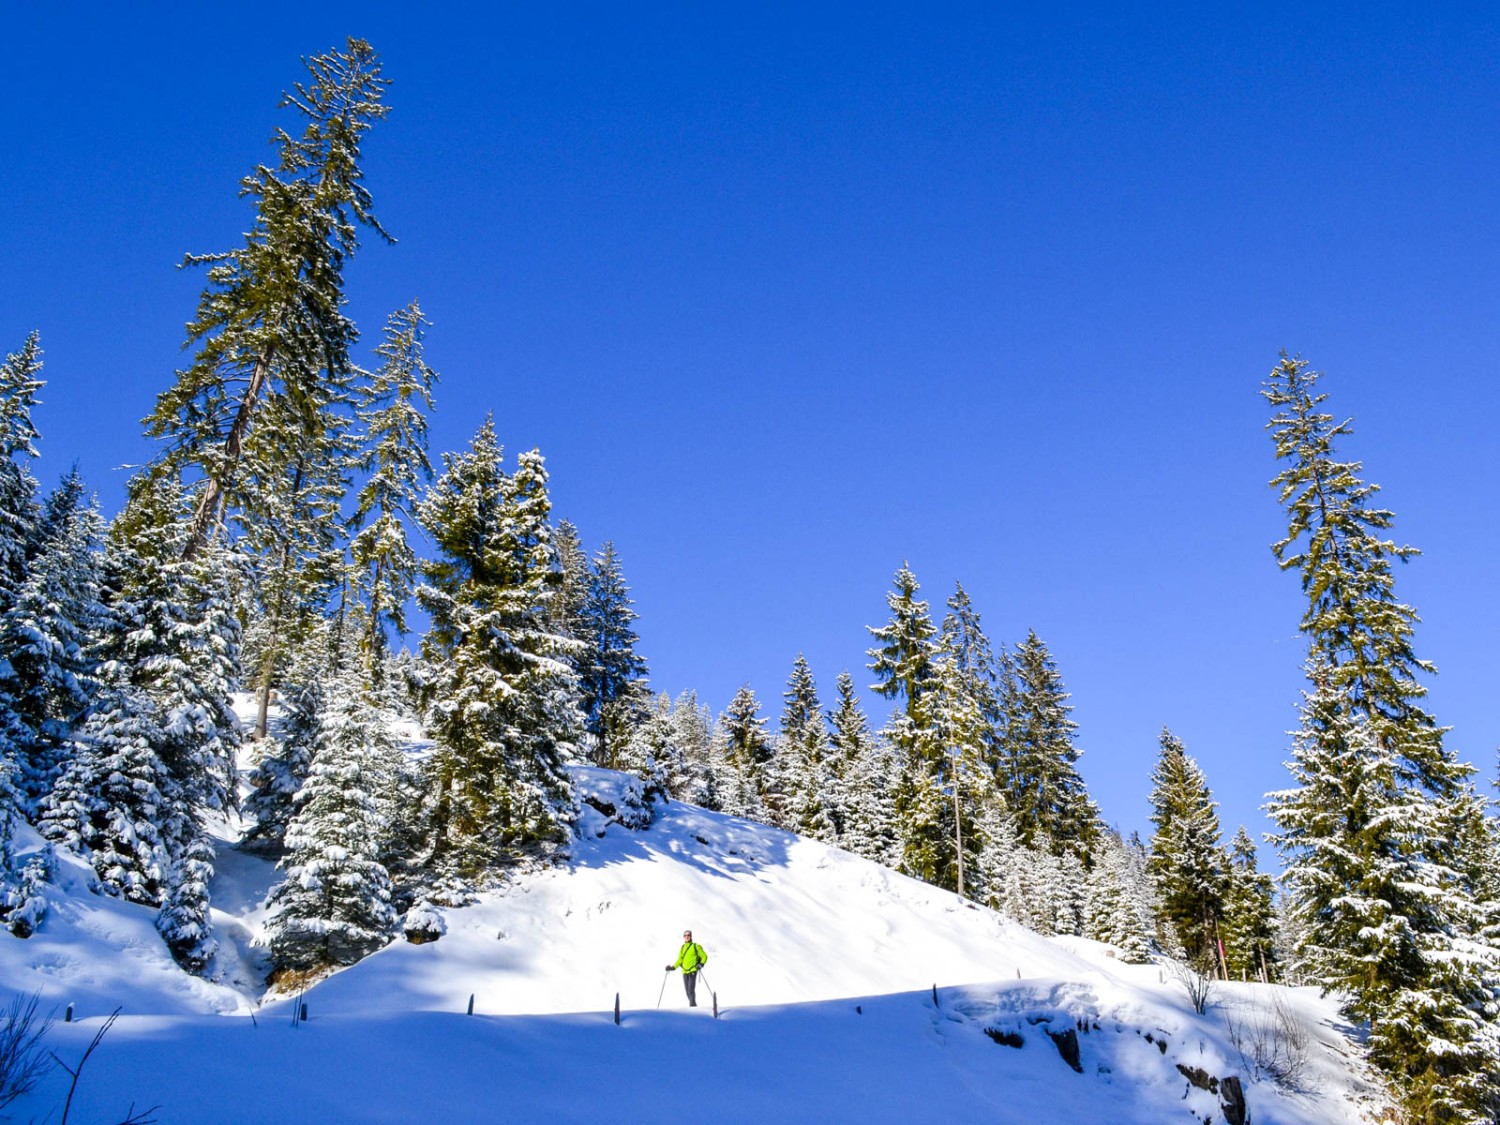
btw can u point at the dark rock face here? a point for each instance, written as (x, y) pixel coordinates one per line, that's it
(1200, 1078)
(1005, 1038)
(1235, 1110)
(1067, 1047)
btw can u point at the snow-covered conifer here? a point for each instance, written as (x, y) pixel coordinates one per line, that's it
(334, 905)
(612, 674)
(850, 742)
(183, 920)
(1249, 928)
(803, 758)
(20, 380)
(1387, 912)
(750, 751)
(1038, 761)
(271, 336)
(902, 657)
(1112, 912)
(1399, 931)
(45, 633)
(395, 457)
(505, 701)
(112, 799)
(1188, 865)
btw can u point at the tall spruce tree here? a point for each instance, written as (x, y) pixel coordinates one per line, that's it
(394, 415)
(803, 758)
(46, 662)
(1249, 929)
(111, 801)
(749, 753)
(286, 758)
(1187, 864)
(270, 327)
(1038, 761)
(505, 700)
(334, 905)
(611, 673)
(573, 563)
(1115, 912)
(902, 656)
(20, 380)
(1386, 912)
(850, 745)
(950, 751)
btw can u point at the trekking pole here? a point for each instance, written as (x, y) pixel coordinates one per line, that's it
(663, 991)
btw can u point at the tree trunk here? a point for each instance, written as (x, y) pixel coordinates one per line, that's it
(211, 503)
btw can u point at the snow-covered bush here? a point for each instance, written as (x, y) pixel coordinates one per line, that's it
(423, 923)
(25, 904)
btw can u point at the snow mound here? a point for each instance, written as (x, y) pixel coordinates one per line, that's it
(846, 992)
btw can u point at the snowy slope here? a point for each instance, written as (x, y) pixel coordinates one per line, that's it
(823, 965)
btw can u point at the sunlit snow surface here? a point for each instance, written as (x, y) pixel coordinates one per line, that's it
(823, 965)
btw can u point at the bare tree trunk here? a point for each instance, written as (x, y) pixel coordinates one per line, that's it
(958, 828)
(268, 665)
(211, 503)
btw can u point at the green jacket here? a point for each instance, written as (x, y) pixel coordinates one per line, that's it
(692, 958)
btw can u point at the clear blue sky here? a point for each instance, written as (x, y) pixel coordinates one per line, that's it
(788, 295)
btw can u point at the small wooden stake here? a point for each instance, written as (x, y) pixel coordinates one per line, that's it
(302, 1013)
(68, 1015)
(934, 996)
(715, 995)
(617, 1009)
(471, 1005)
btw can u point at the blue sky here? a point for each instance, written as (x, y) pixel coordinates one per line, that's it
(788, 296)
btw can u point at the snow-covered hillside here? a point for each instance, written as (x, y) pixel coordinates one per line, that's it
(823, 966)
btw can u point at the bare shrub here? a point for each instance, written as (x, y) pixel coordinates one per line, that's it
(22, 1060)
(1195, 981)
(1272, 1042)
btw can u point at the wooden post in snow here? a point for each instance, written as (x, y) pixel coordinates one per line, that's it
(470, 1012)
(617, 1009)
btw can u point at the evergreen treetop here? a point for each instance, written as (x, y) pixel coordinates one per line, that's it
(902, 657)
(270, 323)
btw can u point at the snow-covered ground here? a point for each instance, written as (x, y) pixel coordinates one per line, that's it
(824, 967)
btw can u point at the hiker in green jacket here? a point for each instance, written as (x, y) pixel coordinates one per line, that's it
(690, 959)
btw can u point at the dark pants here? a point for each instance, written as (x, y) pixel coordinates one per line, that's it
(690, 982)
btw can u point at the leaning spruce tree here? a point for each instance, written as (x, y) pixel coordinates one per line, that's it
(271, 323)
(1386, 912)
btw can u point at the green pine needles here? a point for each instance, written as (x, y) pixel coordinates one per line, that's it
(1388, 909)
